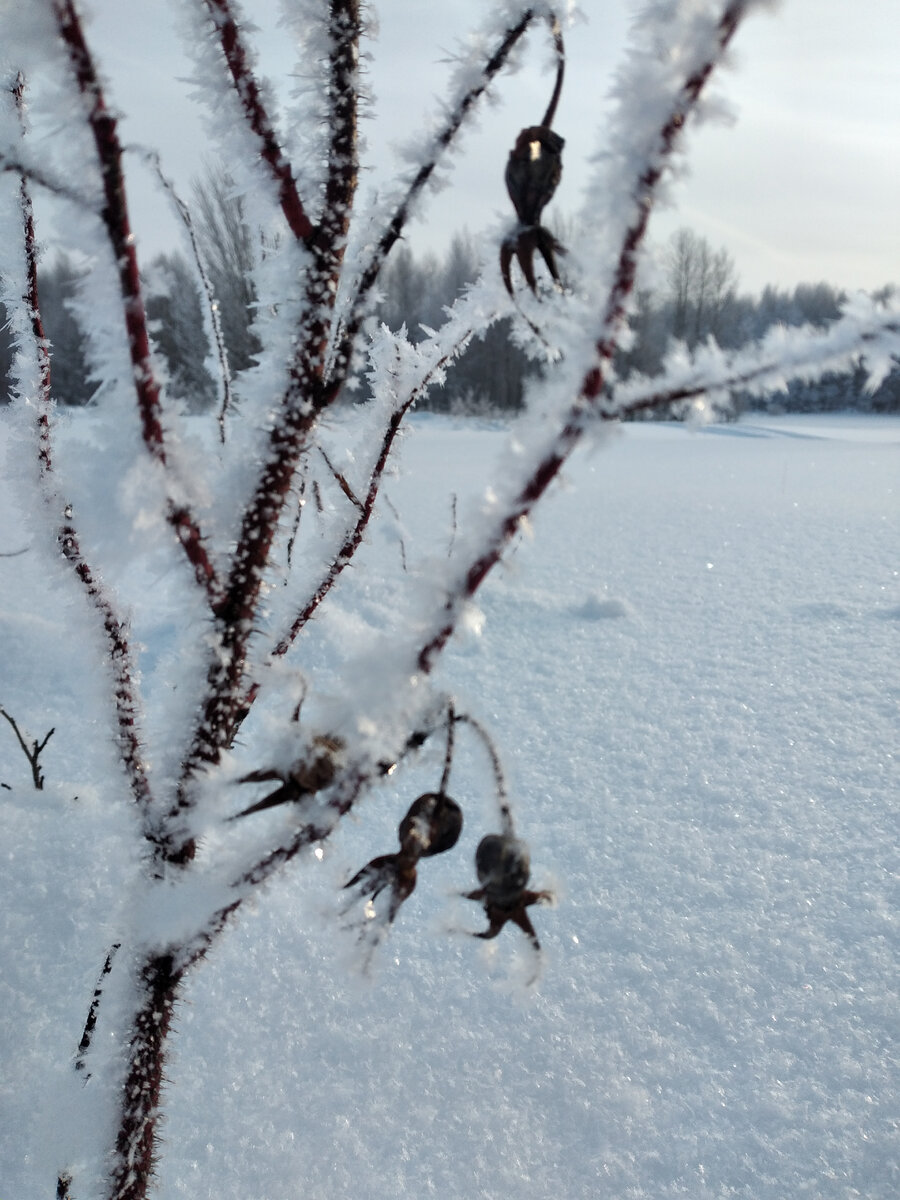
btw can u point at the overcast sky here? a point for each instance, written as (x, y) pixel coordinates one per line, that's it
(805, 186)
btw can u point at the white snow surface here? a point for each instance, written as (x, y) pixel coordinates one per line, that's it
(691, 672)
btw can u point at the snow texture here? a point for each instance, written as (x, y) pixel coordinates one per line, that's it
(709, 783)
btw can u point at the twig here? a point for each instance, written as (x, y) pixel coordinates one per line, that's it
(341, 480)
(391, 506)
(713, 370)
(453, 524)
(26, 170)
(295, 526)
(33, 752)
(212, 307)
(497, 767)
(91, 1023)
(448, 753)
(556, 31)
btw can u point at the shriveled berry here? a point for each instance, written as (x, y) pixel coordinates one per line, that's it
(503, 865)
(435, 821)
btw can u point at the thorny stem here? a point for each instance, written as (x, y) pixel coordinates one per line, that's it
(127, 704)
(158, 982)
(734, 374)
(127, 707)
(343, 102)
(160, 977)
(30, 242)
(115, 217)
(614, 318)
(257, 118)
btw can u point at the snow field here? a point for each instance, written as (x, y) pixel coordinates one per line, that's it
(691, 676)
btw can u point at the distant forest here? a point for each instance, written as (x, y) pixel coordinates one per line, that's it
(697, 296)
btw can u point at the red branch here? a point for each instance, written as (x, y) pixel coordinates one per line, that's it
(123, 670)
(158, 984)
(330, 239)
(116, 220)
(258, 120)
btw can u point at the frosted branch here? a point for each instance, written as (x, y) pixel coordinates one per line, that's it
(34, 346)
(865, 331)
(259, 122)
(330, 238)
(47, 181)
(104, 128)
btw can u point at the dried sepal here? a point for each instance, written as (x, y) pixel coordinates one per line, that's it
(431, 825)
(503, 866)
(304, 778)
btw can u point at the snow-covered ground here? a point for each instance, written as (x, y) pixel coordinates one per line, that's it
(692, 674)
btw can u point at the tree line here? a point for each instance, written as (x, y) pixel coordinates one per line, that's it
(694, 296)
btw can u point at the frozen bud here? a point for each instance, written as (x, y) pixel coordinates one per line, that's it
(503, 865)
(433, 823)
(319, 770)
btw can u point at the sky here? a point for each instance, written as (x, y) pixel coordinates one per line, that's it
(803, 186)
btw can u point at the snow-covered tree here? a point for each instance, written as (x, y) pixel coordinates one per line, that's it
(175, 310)
(236, 704)
(702, 281)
